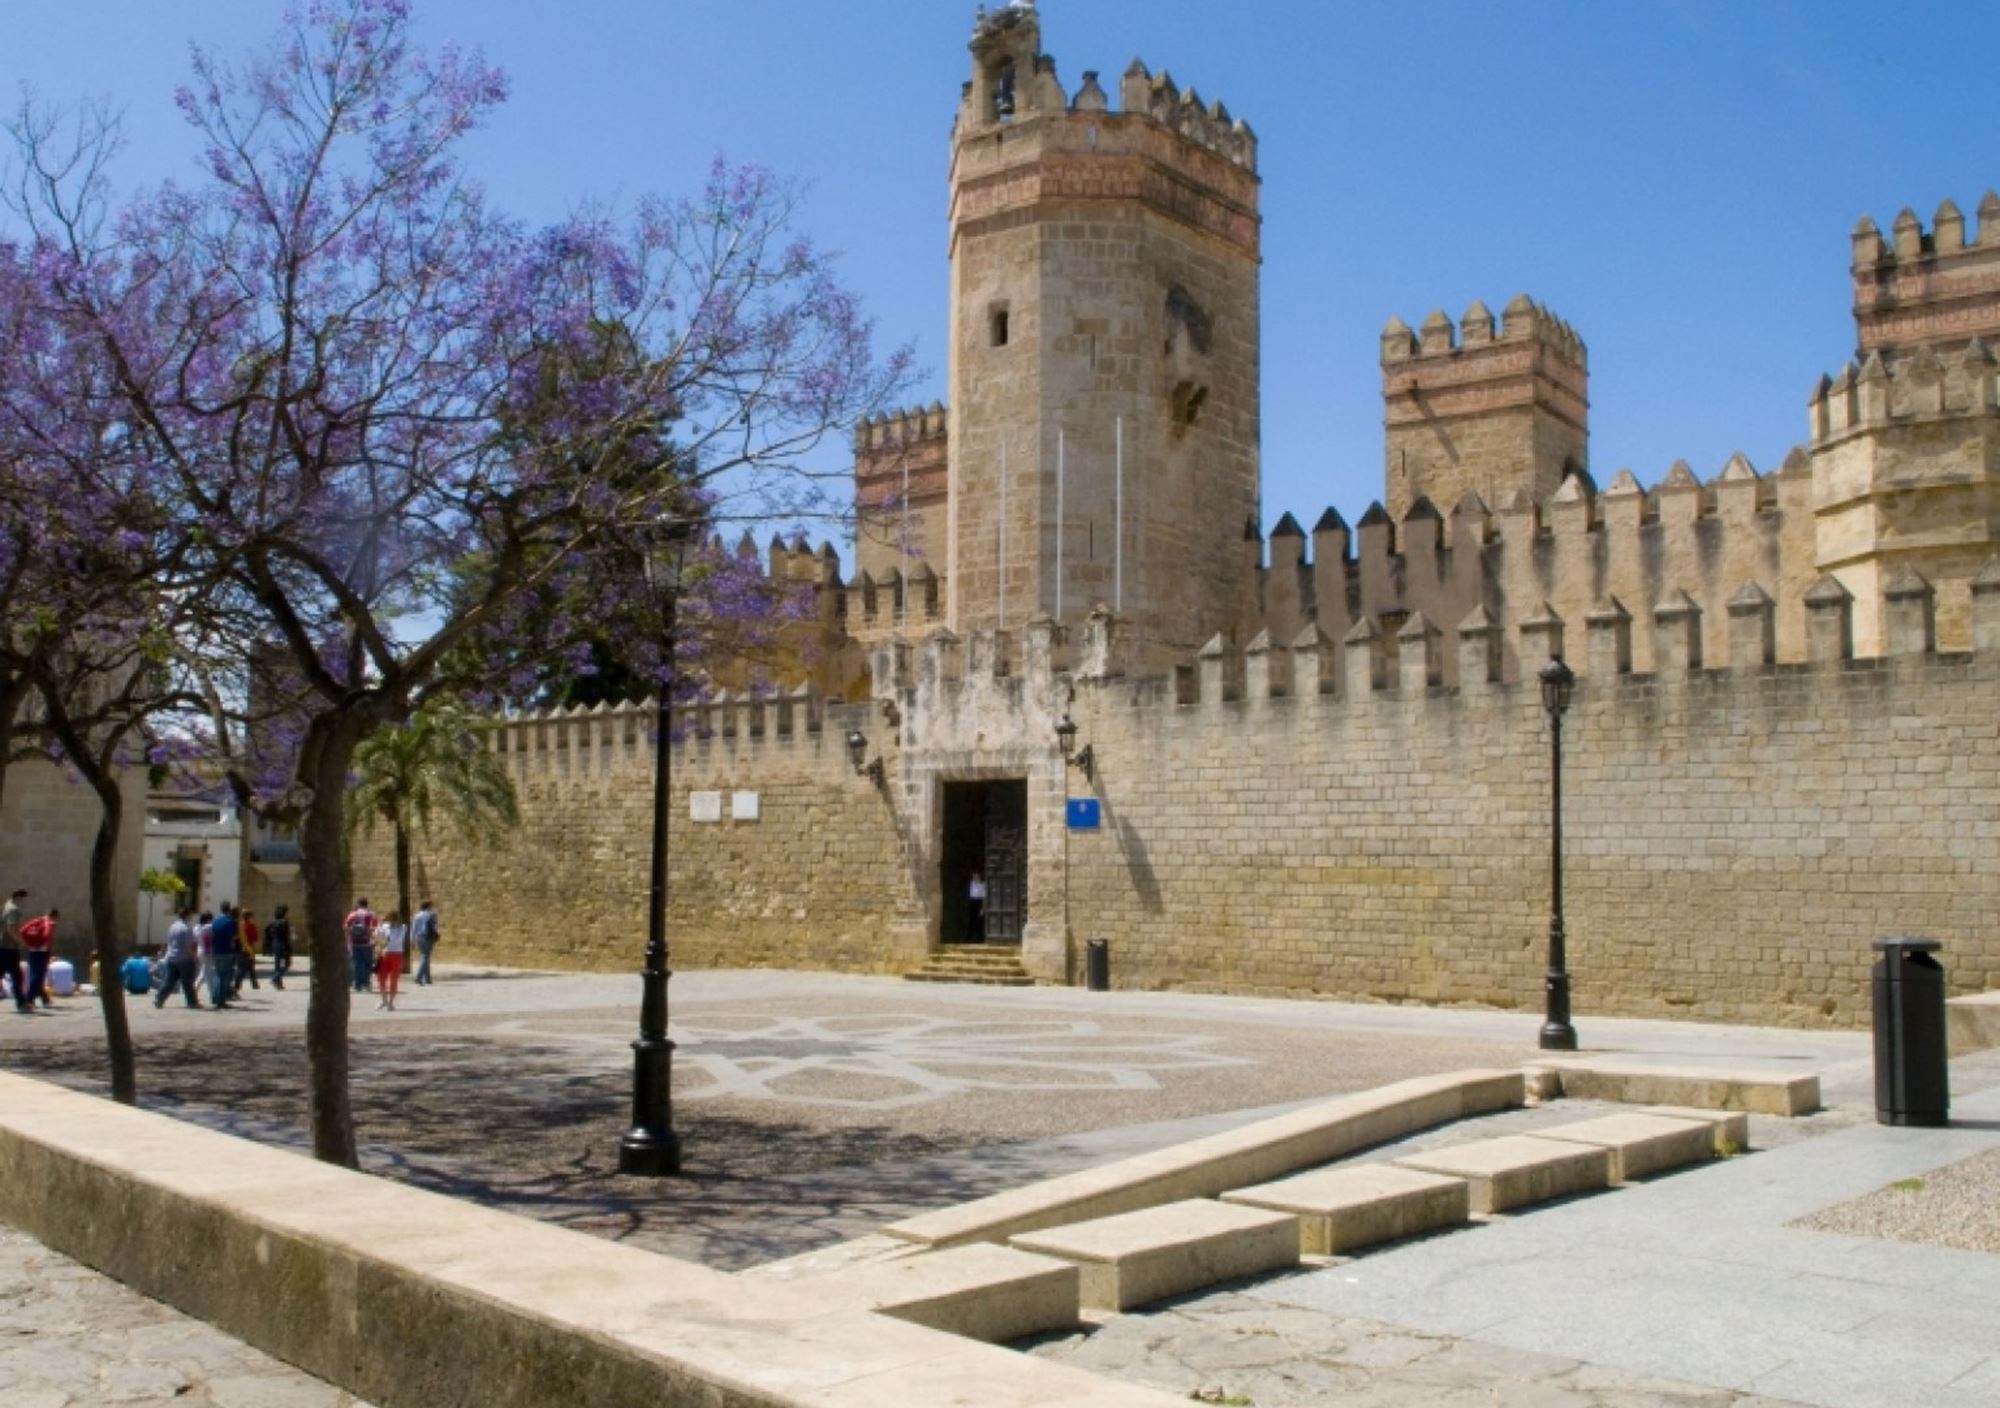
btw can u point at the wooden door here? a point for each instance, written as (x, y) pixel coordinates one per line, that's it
(1006, 861)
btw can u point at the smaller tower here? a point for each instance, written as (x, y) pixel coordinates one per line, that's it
(901, 492)
(1906, 439)
(1472, 409)
(1927, 288)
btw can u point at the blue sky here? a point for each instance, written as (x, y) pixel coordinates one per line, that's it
(1677, 179)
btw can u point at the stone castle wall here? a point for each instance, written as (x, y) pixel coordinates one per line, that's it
(1316, 819)
(48, 823)
(806, 885)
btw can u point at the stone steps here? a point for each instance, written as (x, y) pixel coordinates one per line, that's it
(987, 965)
(983, 1292)
(1513, 1170)
(1343, 1209)
(1135, 1257)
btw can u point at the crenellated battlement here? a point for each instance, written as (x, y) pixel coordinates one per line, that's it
(938, 691)
(1572, 548)
(897, 430)
(1935, 287)
(1207, 125)
(1874, 393)
(1522, 320)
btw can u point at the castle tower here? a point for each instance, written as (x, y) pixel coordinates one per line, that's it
(1104, 311)
(1927, 288)
(1472, 409)
(1906, 441)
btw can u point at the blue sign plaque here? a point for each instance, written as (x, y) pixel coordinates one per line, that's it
(1083, 814)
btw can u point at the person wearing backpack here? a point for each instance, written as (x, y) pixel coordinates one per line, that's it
(360, 926)
(426, 932)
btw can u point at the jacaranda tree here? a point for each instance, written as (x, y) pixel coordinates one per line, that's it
(403, 425)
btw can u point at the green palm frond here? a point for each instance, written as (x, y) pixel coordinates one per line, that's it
(436, 766)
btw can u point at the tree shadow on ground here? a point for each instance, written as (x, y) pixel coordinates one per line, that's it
(517, 1126)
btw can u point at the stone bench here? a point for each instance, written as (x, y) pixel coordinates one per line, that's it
(1731, 1128)
(1144, 1256)
(1517, 1169)
(1641, 1145)
(1762, 1092)
(1340, 1209)
(290, 1256)
(981, 1291)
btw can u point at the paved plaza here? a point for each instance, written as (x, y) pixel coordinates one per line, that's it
(813, 1107)
(70, 1338)
(817, 1107)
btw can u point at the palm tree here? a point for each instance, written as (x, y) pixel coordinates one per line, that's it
(434, 765)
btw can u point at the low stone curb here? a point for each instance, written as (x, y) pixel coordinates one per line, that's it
(328, 1269)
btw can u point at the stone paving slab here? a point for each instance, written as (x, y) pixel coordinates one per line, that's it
(71, 1338)
(1701, 1278)
(1240, 1348)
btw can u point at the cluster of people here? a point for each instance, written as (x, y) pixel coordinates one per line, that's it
(217, 952)
(378, 946)
(33, 939)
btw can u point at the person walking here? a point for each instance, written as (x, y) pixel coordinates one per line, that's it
(178, 961)
(204, 963)
(395, 940)
(426, 932)
(38, 941)
(360, 926)
(10, 951)
(278, 943)
(246, 960)
(224, 944)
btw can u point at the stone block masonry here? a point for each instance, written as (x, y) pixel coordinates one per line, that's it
(1736, 837)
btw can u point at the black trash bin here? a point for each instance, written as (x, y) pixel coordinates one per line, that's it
(1097, 965)
(1912, 1085)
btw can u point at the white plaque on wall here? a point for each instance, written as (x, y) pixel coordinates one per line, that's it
(704, 806)
(744, 806)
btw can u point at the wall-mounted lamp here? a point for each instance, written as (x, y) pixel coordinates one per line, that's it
(1066, 736)
(857, 754)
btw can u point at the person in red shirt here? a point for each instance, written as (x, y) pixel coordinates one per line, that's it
(246, 957)
(38, 937)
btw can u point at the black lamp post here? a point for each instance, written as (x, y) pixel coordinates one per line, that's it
(1557, 1033)
(651, 1148)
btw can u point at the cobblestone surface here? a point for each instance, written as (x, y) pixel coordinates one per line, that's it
(70, 1338)
(1238, 1350)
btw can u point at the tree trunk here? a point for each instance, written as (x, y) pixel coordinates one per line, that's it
(330, 748)
(13, 694)
(104, 919)
(100, 771)
(402, 870)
